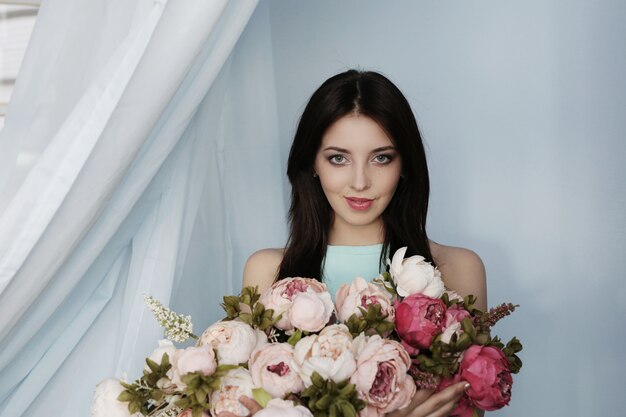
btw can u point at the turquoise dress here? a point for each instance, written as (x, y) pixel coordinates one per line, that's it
(343, 263)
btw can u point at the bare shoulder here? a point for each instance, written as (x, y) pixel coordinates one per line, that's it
(462, 270)
(261, 268)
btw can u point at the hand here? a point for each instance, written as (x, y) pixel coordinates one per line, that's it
(248, 402)
(427, 404)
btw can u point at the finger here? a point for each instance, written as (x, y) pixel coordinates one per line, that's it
(226, 414)
(250, 404)
(444, 410)
(420, 396)
(441, 399)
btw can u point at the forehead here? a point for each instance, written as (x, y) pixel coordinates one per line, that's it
(355, 132)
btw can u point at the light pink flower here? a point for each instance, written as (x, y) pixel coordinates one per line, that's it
(280, 297)
(328, 353)
(234, 341)
(270, 367)
(310, 311)
(381, 377)
(415, 276)
(361, 293)
(283, 408)
(236, 383)
(105, 403)
(192, 359)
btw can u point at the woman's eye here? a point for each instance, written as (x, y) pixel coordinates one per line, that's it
(383, 159)
(337, 159)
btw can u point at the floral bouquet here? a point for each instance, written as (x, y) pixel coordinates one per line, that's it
(299, 354)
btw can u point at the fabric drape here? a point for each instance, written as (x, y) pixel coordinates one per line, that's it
(121, 152)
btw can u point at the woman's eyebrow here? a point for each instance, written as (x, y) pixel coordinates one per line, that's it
(382, 148)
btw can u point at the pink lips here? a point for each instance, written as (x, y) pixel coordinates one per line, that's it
(359, 203)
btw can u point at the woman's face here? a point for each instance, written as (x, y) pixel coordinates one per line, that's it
(359, 168)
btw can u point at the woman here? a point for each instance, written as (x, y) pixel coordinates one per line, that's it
(359, 192)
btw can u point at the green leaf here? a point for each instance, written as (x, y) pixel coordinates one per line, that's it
(323, 402)
(475, 413)
(317, 380)
(261, 396)
(154, 367)
(347, 409)
(295, 337)
(125, 396)
(133, 407)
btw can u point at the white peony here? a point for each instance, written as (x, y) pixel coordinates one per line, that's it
(233, 340)
(105, 403)
(283, 408)
(415, 276)
(328, 353)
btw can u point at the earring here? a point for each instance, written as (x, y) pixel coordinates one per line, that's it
(314, 174)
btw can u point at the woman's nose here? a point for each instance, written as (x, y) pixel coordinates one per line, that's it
(360, 179)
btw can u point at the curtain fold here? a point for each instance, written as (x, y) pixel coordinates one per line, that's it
(104, 208)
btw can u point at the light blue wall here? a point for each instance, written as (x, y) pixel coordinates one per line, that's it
(522, 106)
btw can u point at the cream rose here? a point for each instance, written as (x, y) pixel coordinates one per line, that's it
(236, 383)
(328, 353)
(105, 403)
(270, 367)
(280, 296)
(414, 275)
(381, 377)
(233, 340)
(361, 293)
(283, 408)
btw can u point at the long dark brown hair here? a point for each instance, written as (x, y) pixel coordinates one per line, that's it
(372, 95)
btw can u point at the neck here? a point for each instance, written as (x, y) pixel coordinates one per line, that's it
(350, 235)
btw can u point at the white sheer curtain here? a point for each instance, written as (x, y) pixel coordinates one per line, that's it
(127, 168)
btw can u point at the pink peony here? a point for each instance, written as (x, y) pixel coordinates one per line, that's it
(233, 340)
(381, 377)
(415, 276)
(361, 293)
(270, 367)
(281, 295)
(419, 318)
(283, 408)
(310, 311)
(328, 353)
(193, 359)
(487, 371)
(236, 383)
(454, 316)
